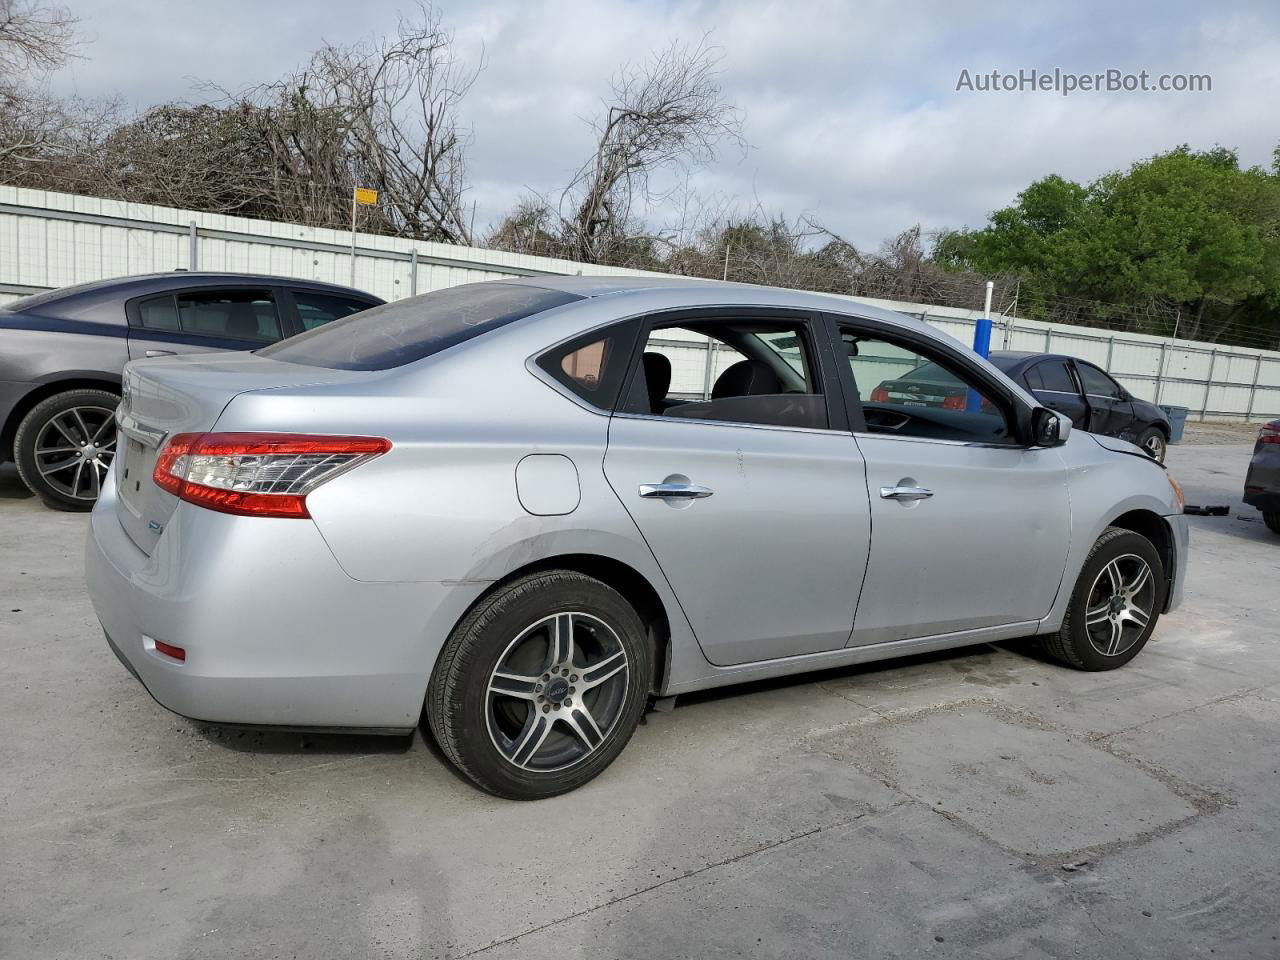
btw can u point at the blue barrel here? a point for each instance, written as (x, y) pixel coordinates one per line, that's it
(1177, 420)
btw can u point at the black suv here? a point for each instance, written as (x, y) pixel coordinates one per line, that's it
(62, 353)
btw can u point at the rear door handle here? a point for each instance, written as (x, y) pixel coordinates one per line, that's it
(674, 491)
(159, 353)
(905, 493)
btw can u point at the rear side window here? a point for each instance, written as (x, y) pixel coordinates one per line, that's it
(159, 313)
(239, 314)
(317, 309)
(592, 366)
(407, 330)
(1054, 376)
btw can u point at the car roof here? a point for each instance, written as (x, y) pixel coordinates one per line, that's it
(718, 292)
(1009, 360)
(139, 284)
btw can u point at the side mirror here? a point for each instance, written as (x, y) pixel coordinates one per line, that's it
(1049, 429)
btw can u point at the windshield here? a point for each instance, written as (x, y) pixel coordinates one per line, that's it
(407, 330)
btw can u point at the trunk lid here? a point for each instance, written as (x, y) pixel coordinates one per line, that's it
(921, 393)
(183, 394)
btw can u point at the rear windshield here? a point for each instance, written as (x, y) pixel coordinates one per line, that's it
(407, 330)
(931, 373)
(50, 296)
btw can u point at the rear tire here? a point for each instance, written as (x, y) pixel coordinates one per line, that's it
(1154, 443)
(1272, 519)
(525, 713)
(64, 446)
(1114, 606)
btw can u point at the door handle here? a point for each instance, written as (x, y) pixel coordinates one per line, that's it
(905, 493)
(674, 491)
(159, 353)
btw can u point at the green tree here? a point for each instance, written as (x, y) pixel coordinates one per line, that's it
(1189, 230)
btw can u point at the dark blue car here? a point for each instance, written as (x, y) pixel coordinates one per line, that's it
(62, 352)
(1089, 396)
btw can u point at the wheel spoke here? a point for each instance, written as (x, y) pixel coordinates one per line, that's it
(513, 685)
(84, 427)
(598, 673)
(49, 451)
(58, 467)
(560, 649)
(75, 481)
(1097, 614)
(1117, 633)
(584, 727)
(56, 423)
(96, 476)
(1139, 581)
(97, 433)
(1137, 615)
(531, 738)
(1117, 579)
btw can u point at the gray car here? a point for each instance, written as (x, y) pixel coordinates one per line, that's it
(62, 353)
(509, 506)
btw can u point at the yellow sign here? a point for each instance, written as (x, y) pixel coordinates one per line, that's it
(366, 197)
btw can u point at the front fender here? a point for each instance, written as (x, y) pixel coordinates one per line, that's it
(1104, 484)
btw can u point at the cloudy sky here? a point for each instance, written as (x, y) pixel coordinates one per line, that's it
(850, 109)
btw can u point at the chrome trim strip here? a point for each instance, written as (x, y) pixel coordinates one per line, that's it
(135, 429)
(732, 423)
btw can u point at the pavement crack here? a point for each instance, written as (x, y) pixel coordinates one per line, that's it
(1214, 701)
(684, 876)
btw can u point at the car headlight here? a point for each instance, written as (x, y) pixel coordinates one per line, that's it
(1179, 500)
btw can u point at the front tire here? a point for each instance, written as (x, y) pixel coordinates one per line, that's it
(1272, 519)
(540, 687)
(64, 446)
(1154, 443)
(1115, 604)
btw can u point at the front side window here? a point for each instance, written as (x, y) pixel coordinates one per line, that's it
(1097, 383)
(239, 314)
(906, 392)
(407, 330)
(730, 371)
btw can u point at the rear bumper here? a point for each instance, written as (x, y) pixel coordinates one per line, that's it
(1181, 540)
(1262, 482)
(275, 633)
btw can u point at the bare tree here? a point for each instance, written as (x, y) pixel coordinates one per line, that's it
(377, 114)
(668, 112)
(34, 38)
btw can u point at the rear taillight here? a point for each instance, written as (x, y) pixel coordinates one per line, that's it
(1270, 432)
(879, 395)
(257, 474)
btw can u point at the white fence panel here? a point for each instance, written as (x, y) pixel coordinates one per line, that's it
(50, 240)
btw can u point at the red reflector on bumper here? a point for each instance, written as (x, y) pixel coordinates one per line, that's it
(169, 650)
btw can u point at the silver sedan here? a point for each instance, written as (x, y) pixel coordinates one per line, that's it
(522, 509)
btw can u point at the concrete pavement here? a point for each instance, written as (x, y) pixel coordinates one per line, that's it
(982, 802)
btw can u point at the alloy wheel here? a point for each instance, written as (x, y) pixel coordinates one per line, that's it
(1120, 604)
(1155, 446)
(557, 692)
(74, 448)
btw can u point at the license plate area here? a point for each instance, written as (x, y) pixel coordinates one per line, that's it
(133, 474)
